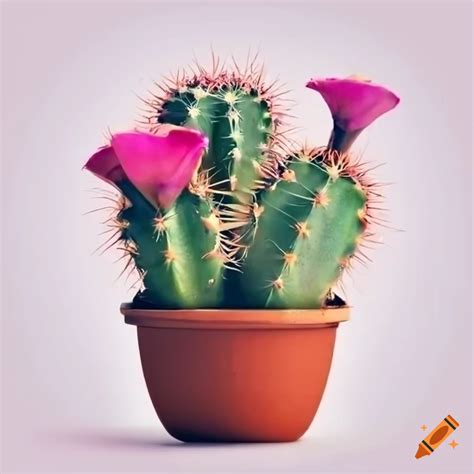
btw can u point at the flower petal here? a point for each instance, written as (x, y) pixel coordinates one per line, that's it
(160, 165)
(105, 165)
(354, 103)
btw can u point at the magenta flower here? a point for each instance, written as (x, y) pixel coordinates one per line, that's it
(354, 104)
(159, 165)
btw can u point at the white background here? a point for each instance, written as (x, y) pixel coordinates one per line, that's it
(73, 394)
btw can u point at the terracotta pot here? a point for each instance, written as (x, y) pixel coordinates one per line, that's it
(236, 375)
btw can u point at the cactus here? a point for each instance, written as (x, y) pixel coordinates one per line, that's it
(218, 210)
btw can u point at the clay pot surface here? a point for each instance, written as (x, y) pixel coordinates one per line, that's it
(236, 375)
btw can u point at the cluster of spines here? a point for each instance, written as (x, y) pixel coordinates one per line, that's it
(371, 215)
(312, 223)
(178, 252)
(250, 78)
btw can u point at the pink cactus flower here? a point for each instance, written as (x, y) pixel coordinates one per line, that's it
(159, 165)
(354, 104)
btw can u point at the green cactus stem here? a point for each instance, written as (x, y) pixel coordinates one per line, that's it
(178, 253)
(236, 116)
(310, 223)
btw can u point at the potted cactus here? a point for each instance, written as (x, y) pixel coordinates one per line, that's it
(239, 238)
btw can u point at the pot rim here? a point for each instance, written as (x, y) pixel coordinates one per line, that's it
(235, 318)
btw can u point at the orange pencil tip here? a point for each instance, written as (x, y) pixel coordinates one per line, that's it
(422, 451)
